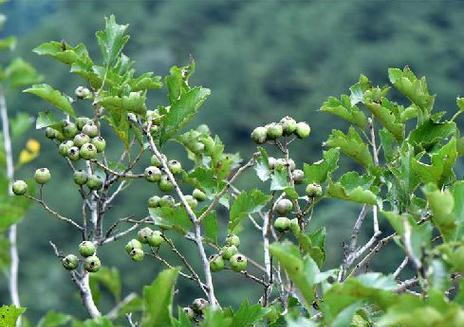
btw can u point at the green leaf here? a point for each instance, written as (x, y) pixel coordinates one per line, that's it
(12, 208)
(46, 119)
(279, 179)
(49, 94)
(20, 124)
(353, 187)
(134, 102)
(357, 90)
(430, 133)
(263, 170)
(145, 82)
(4, 252)
(216, 318)
(351, 145)
(458, 209)
(171, 218)
(211, 228)
(320, 170)
(460, 103)
(8, 43)
(345, 110)
(65, 53)
(389, 144)
(20, 73)
(9, 315)
(108, 278)
(386, 114)
(246, 203)
(54, 319)
(96, 322)
(157, 299)
(248, 315)
(112, 40)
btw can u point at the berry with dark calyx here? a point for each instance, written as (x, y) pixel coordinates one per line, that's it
(87, 248)
(313, 190)
(64, 147)
(73, 153)
(228, 251)
(188, 312)
(42, 176)
(133, 244)
(80, 177)
(233, 239)
(199, 305)
(274, 131)
(295, 226)
(155, 161)
(302, 130)
(92, 263)
(175, 166)
(90, 129)
(152, 174)
(70, 130)
(94, 182)
(216, 263)
(167, 201)
(19, 187)
(144, 234)
(156, 239)
(191, 201)
(165, 184)
(154, 201)
(70, 262)
(199, 195)
(82, 92)
(88, 151)
(51, 133)
(100, 143)
(282, 224)
(81, 139)
(259, 135)
(298, 176)
(137, 255)
(81, 121)
(238, 262)
(288, 125)
(283, 206)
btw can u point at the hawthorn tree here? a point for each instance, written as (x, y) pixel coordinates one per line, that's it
(405, 154)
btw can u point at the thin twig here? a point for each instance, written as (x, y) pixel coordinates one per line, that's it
(401, 267)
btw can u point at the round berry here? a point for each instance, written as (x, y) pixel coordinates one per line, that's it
(283, 206)
(238, 262)
(199, 305)
(282, 224)
(216, 263)
(167, 201)
(137, 255)
(94, 182)
(64, 147)
(259, 135)
(133, 244)
(155, 161)
(165, 184)
(291, 164)
(70, 262)
(100, 143)
(92, 263)
(88, 151)
(69, 130)
(90, 129)
(302, 130)
(188, 312)
(155, 239)
(199, 195)
(153, 174)
(80, 177)
(295, 226)
(51, 133)
(313, 190)
(81, 139)
(81, 121)
(272, 162)
(42, 176)
(82, 92)
(19, 187)
(298, 176)
(233, 239)
(228, 251)
(144, 234)
(288, 125)
(191, 201)
(274, 131)
(87, 248)
(154, 201)
(203, 129)
(73, 153)
(175, 166)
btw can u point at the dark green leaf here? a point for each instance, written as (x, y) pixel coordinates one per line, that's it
(351, 145)
(47, 93)
(171, 218)
(353, 187)
(112, 40)
(246, 203)
(320, 170)
(344, 109)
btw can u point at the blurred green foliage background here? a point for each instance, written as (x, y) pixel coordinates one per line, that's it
(262, 60)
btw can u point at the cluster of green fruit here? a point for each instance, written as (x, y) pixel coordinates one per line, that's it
(88, 251)
(286, 127)
(146, 235)
(238, 262)
(155, 174)
(168, 201)
(41, 176)
(196, 310)
(282, 223)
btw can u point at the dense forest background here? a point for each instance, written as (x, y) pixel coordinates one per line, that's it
(262, 60)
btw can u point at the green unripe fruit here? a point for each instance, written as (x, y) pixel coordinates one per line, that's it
(92, 263)
(155, 239)
(82, 92)
(64, 147)
(295, 226)
(298, 176)
(288, 125)
(152, 174)
(88, 151)
(167, 201)
(69, 130)
(302, 130)
(259, 135)
(51, 133)
(209, 144)
(81, 121)
(313, 190)
(165, 185)
(90, 129)
(199, 195)
(282, 224)
(100, 143)
(94, 182)
(42, 176)
(188, 312)
(199, 305)
(73, 153)
(133, 244)
(238, 262)
(283, 206)
(216, 263)
(272, 162)
(137, 255)
(144, 234)
(155, 161)
(87, 248)
(197, 147)
(291, 164)
(274, 131)
(81, 139)
(154, 201)
(229, 251)
(203, 129)
(233, 239)
(70, 262)
(175, 166)
(80, 177)
(191, 201)
(19, 187)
